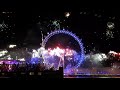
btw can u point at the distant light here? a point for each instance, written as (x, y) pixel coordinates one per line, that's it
(110, 25)
(21, 59)
(99, 57)
(12, 46)
(2, 53)
(9, 58)
(67, 14)
(3, 25)
(6, 12)
(112, 52)
(35, 54)
(34, 51)
(3, 12)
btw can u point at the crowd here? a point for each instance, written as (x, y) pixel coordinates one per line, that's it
(27, 69)
(23, 67)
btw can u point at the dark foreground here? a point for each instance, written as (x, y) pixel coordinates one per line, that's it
(32, 75)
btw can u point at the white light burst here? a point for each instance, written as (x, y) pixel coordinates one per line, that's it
(2, 53)
(110, 25)
(67, 14)
(109, 34)
(12, 46)
(109, 31)
(56, 24)
(3, 25)
(21, 59)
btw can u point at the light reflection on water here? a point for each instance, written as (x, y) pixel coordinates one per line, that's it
(92, 76)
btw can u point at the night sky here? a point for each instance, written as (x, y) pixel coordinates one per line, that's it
(24, 26)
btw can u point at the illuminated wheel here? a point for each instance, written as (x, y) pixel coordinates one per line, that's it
(79, 41)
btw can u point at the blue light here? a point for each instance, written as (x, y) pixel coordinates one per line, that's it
(34, 60)
(82, 55)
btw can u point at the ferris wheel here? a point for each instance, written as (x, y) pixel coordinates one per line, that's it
(66, 32)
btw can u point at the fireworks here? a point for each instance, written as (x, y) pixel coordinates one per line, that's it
(52, 52)
(56, 32)
(71, 55)
(96, 57)
(99, 57)
(12, 46)
(67, 14)
(56, 24)
(21, 59)
(3, 25)
(110, 25)
(114, 54)
(2, 53)
(109, 32)
(56, 57)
